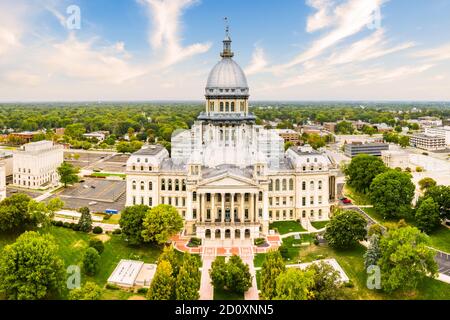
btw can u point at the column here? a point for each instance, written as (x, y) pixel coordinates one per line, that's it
(203, 207)
(232, 207)
(251, 207)
(242, 215)
(189, 206)
(266, 206)
(213, 209)
(223, 207)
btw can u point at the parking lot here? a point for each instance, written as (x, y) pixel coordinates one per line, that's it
(84, 159)
(116, 163)
(12, 190)
(96, 194)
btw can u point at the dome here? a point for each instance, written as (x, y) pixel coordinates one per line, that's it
(227, 74)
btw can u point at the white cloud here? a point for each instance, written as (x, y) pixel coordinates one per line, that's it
(165, 36)
(436, 54)
(258, 62)
(348, 19)
(322, 18)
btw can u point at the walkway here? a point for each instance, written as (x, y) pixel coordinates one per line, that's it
(252, 293)
(206, 288)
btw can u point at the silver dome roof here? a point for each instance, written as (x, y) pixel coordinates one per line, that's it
(227, 74)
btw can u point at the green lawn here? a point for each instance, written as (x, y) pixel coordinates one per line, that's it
(319, 224)
(73, 244)
(259, 259)
(284, 227)
(357, 197)
(440, 239)
(220, 294)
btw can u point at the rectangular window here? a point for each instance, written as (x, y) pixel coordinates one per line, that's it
(150, 202)
(311, 200)
(303, 201)
(194, 213)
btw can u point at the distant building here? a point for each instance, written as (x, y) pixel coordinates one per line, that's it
(353, 149)
(383, 127)
(100, 136)
(289, 135)
(35, 164)
(26, 136)
(360, 124)
(7, 158)
(395, 159)
(311, 129)
(441, 132)
(430, 122)
(428, 142)
(330, 126)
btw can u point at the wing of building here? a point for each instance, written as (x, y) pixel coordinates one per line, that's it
(227, 176)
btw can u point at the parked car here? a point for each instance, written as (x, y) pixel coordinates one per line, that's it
(346, 201)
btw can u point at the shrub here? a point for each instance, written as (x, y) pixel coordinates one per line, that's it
(419, 169)
(66, 225)
(283, 251)
(72, 225)
(111, 286)
(91, 261)
(97, 230)
(97, 245)
(142, 290)
(195, 242)
(260, 241)
(117, 231)
(76, 227)
(349, 284)
(58, 223)
(316, 242)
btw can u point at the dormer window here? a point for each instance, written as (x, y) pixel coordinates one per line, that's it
(138, 160)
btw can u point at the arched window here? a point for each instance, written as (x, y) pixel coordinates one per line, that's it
(142, 185)
(312, 213)
(134, 185)
(284, 185)
(320, 212)
(320, 185)
(232, 107)
(271, 185)
(194, 196)
(303, 214)
(227, 107)
(150, 186)
(163, 184)
(169, 185)
(291, 184)
(184, 185)
(311, 185)
(221, 107)
(304, 185)
(277, 185)
(260, 196)
(177, 185)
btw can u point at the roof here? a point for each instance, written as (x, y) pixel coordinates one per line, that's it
(227, 74)
(126, 272)
(149, 150)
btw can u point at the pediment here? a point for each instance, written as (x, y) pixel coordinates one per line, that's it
(227, 180)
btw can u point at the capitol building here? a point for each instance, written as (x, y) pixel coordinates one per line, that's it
(228, 177)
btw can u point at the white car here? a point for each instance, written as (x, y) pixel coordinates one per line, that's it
(93, 203)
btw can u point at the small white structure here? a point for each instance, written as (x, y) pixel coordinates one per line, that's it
(7, 158)
(332, 262)
(131, 273)
(35, 165)
(100, 136)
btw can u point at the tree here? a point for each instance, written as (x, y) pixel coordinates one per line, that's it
(97, 244)
(362, 170)
(405, 259)
(403, 141)
(427, 215)
(441, 196)
(345, 229)
(327, 282)
(30, 268)
(272, 267)
(239, 278)
(91, 261)
(131, 223)
(373, 252)
(233, 275)
(14, 214)
(85, 222)
(168, 254)
(426, 183)
(41, 213)
(391, 193)
(161, 223)
(295, 284)
(89, 291)
(188, 279)
(162, 287)
(68, 174)
(288, 145)
(75, 131)
(344, 127)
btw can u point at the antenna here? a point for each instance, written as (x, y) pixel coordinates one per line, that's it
(227, 26)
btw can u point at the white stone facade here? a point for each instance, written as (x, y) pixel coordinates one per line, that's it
(228, 177)
(2, 181)
(35, 165)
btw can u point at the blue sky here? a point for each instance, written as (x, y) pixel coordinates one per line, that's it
(164, 49)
